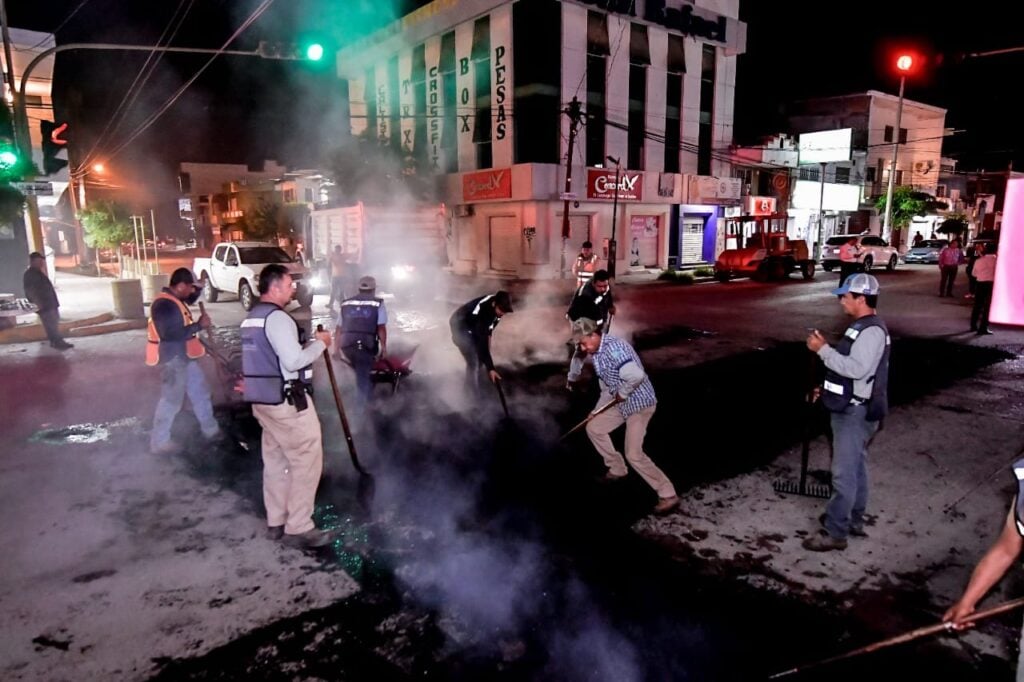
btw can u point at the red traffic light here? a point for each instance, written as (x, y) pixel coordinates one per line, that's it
(905, 63)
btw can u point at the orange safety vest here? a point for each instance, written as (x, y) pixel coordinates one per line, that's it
(193, 348)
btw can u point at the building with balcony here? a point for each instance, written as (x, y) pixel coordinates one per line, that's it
(478, 91)
(872, 116)
(200, 182)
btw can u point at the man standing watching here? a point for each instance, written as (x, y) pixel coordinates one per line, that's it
(849, 259)
(624, 382)
(594, 301)
(950, 258)
(39, 291)
(856, 393)
(985, 276)
(472, 326)
(173, 344)
(362, 331)
(586, 264)
(278, 381)
(338, 268)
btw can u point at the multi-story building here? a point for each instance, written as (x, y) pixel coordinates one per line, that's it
(200, 182)
(478, 90)
(872, 116)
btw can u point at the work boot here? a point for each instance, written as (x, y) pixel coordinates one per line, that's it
(275, 532)
(609, 477)
(855, 531)
(823, 542)
(311, 538)
(61, 345)
(666, 504)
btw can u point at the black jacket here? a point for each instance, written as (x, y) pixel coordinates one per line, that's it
(473, 324)
(39, 290)
(586, 302)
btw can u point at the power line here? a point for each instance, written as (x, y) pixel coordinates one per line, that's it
(54, 31)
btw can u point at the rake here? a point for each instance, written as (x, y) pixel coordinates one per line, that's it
(802, 487)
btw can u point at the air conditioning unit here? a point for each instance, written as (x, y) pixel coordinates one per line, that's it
(463, 210)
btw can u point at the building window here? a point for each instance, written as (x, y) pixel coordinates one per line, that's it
(903, 135)
(705, 136)
(808, 173)
(394, 104)
(420, 144)
(842, 175)
(887, 135)
(370, 95)
(869, 174)
(899, 177)
(289, 196)
(674, 102)
(481, 56)
(940, 192)
(639, 58)
(536, 57)
(597, 54)
(309, 194)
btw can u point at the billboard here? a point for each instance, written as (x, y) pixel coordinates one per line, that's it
(836, 197)
(826, 146)
(601, 185)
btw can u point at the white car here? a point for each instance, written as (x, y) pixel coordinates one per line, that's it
(235, 266)
(874, 251)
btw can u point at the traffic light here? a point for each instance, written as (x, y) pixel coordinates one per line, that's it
(53, 144)
(314, 52)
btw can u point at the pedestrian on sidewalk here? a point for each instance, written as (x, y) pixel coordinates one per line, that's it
(472, 326)
(40, 292)
(173, 344)
(594, 301)
(1001, 556)
(361, 333)
(855, 391)
(849, 259)
(985, 274)
(586, 264)
(623, 381)
(278, 380)
(951, 257)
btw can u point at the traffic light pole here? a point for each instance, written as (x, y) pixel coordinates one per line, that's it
(887, 225)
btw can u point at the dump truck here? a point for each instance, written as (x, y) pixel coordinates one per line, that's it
(763, 251)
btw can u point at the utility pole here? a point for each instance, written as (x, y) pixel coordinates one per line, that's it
(904, 64)
(821, 215)
(575, 119)
(613, 243)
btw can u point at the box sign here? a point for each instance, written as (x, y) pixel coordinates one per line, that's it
(826, 146)
(709, 189)
(760, 205)
(601, 185)
(489, 184)
(184, 205)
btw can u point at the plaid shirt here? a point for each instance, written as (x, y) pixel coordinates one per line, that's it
(612, 355)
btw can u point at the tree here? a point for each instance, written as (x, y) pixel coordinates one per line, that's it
(264, 221)
(107, 225)
(907, 203)
(955, 224)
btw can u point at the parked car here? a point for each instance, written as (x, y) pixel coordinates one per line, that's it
(925, 252)
(234, 267)
(874, 251)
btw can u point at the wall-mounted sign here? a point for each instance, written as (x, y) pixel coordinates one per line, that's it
(488, 184)
(601, 185)
(826, 146)
(709, 189)
(760, 205)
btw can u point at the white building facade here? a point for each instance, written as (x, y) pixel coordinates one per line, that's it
(478, 91)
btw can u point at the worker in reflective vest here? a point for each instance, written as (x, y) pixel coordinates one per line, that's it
(472, 326)
(173, 344)
(856, 393)
(362, 332)
(277, 375)
(586, 264)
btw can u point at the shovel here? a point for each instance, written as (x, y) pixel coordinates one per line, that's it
(367, 486)
(590, 417)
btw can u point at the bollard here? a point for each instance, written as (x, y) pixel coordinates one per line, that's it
(127, 295)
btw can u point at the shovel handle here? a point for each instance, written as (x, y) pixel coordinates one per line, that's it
(341, 410)
(604, 408)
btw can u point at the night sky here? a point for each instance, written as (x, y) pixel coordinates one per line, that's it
(247, 109)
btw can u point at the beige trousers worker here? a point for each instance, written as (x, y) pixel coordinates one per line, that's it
(293, 459)
(636, 430)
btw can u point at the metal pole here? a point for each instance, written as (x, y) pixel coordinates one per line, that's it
(612, 244)
(887, 226)
(574, 120)
(10, 67)
(821, 215)
(156, 253)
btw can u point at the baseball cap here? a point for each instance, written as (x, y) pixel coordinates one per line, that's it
(583, 327)
(503, 301)
(859, 283)
(182, 276)
(367, 283)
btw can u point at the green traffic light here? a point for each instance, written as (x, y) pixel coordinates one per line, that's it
(8, 159)
(315, 52)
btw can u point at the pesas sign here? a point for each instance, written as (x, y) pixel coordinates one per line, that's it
(489, 184)
(601, 185)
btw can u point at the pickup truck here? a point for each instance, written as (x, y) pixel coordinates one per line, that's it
(235, 266)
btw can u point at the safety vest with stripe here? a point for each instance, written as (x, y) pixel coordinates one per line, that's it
(261, 368)
(585, 267)
(359, 316)
(838, 390)
(193, 348)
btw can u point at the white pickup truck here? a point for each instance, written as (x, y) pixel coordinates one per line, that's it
(235, 267)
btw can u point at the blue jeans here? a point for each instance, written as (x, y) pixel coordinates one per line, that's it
(362, 364)
(180, 377)
(851, 433)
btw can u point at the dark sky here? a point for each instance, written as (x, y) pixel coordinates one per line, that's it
(246, 109)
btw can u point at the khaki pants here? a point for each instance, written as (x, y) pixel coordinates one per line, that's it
(293, 459)
(636, 429)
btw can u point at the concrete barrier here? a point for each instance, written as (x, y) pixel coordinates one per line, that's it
(151, 286)
(127, 295)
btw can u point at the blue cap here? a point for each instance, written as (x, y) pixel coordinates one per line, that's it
(859, 283)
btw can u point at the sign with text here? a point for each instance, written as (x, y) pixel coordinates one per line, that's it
(760, 205)
(601, 185)
(711, 189)
(488, 184)
(36, 188)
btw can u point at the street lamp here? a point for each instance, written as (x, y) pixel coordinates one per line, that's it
(612, 243)
(904, 65)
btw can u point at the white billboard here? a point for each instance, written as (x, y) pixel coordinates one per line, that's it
(826, 146)
(807, 194)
